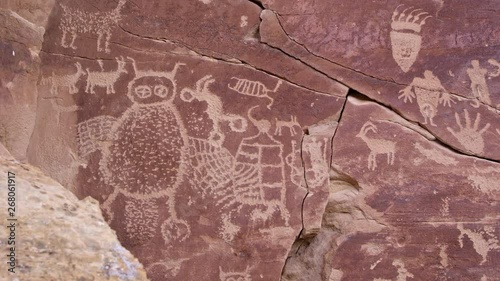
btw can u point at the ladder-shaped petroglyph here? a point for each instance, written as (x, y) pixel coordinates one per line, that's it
(142, 150)
(75, 22)
(376, 146)
(483, 241)
(105, 79)
(214, 109)
(429, 94)
(280, 124)
(478, 84)
(250, 179)
(470, 136)
(253, 88)
(234, 275)
(405, 35)
(64, 81)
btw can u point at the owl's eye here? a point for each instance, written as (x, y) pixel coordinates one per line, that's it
(143, 91)
(161, 91)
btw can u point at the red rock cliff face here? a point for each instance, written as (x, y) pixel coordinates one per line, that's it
(274, 140)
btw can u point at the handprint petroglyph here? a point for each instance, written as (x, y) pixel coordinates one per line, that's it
(470, 136)
(429, 94)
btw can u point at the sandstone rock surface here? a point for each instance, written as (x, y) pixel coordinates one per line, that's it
(55, 235)
(259, 140)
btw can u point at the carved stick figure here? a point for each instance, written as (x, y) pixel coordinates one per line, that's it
(478, 84)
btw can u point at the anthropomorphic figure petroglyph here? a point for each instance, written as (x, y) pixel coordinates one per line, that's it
(142, 154)
(253, 88)
(405, 35)
(470, 136)
(234, 276)
(251, 180)
(429, 94)
(478, 84)
(75, 22)
(280, 124)
(64, 81)
(106, 79)
(214, 109)
(376, 146)
(294, 161)
(317, 171)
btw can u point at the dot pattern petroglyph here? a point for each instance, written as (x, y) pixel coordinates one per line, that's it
(141, 220)
(75, 22)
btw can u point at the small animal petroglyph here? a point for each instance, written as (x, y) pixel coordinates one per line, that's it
(470, 136)
(376, 146)
(253, 88)
(142, 150)
(234, 276)
(496, 64)
(478, 84)
(75, 22)
(280, 124)
(64, 81)
(405, 35)
(214, 109)
(479, 242)
(106, 79)
(429, 94)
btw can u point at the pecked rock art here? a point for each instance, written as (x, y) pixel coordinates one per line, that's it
(141, 172)
(68, 81)
(76, 22)
(253, 178)
(234, 276)
(406, 40)
(105, 79)
(214, 109)
(469, 135)
(478, 84)
(253, 88)
(496, 64)
(429, 94)
(290, 125)
(483, 241)
(377, 146)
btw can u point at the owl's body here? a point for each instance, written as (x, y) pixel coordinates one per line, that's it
(145, 158)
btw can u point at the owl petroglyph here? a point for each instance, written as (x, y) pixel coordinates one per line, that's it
(142, 152)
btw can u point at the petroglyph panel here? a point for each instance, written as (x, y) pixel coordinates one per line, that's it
(427, 195)
(76, 21)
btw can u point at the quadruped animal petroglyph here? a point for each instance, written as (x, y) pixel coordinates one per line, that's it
(376, 146)
(75, 22)
(405, 36)
(106, 79)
